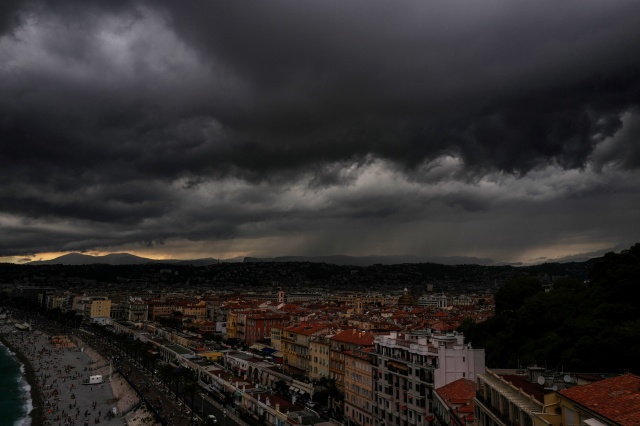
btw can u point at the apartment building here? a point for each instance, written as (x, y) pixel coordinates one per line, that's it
(276, 337)
(57, 301)
(410, 365)
(339, 343)
(93, 308)
(456, 360)
(197, 310)
(319, 357)
(232, 325)
(160, 309)
(135, 310)
(295, 345)
(258, 326)
(358, 386)
(241, 324)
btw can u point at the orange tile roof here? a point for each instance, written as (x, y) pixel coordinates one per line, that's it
(465, 409)
(458, 392)
(306, 328)
(355, 337)
(617, 399)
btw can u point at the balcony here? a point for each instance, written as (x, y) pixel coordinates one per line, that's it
(403, 343)
(441, 419)
(486, 406)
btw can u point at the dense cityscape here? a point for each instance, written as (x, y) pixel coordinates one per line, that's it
(303, 343)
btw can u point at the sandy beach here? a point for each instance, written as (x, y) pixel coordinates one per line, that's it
(59, 366)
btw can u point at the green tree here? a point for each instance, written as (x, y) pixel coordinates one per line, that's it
(513, 294)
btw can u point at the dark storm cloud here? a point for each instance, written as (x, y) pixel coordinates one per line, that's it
(623, 150)
(130, 121)
(504, 86)
(9, 15)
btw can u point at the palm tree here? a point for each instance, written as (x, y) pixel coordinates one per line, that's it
(166, 373)
(154, 362)
(180, 377)
(190, 388)
(147, 359)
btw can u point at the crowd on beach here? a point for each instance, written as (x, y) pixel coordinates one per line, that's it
(61, 366)
(58, 363)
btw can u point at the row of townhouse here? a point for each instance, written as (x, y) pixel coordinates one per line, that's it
(98, 308)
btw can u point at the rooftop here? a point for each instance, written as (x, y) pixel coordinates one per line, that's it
(354, 337)
(617, 399)
(458, 392)
(530, 388)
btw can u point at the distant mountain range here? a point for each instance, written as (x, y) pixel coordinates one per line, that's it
(75, 259)
(373, 260)
(341, 260)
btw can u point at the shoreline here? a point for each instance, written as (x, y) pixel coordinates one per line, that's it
(57, 369)
(36, 414)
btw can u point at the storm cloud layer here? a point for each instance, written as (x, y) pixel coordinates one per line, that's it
(497, 129)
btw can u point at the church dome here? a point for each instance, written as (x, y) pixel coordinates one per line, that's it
(405, 299)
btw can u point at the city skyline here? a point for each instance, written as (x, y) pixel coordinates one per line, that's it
(503, 131)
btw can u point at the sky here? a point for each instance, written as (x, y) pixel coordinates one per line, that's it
(503, 130)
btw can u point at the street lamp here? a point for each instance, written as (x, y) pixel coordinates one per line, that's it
(224, 417)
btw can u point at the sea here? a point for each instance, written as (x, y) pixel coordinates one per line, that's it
(15, 401)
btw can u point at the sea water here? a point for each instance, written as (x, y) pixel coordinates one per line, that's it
(15, 397)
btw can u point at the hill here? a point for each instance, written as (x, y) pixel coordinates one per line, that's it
(590, 325)
(76, 259)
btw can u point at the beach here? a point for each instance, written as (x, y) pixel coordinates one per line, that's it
(58, 369)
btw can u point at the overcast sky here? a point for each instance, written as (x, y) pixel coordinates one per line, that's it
(507, 130)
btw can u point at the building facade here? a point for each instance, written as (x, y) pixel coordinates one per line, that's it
(358, 386)
(295, 346)
(410, 366)
(319, 357)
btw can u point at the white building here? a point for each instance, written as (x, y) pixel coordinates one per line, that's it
(410, 365)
